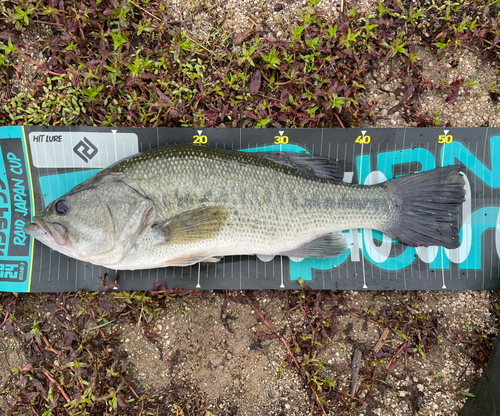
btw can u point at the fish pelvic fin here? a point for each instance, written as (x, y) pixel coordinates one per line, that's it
(191, 226)
(428, 206)
(330, 245)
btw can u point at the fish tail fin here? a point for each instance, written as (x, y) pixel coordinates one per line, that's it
(427, 206)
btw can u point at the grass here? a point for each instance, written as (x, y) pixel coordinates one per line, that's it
(413, 334)
(75, 364)
(130, 64)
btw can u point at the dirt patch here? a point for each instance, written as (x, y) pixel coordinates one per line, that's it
(474, 105)
(218, 346)
(212, 345)
(12, 359)
(29, 61)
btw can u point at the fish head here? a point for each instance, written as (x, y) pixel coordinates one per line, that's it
(96, 223)
(76, 224)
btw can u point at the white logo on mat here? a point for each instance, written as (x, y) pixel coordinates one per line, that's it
(81, 149)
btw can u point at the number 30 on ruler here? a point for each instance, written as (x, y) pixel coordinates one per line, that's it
(281, 140)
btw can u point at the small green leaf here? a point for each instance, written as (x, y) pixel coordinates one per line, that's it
(119, 39)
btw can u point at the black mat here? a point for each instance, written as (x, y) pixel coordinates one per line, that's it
(41, 163)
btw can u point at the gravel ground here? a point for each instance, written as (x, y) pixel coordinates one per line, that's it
(225, 360)
(216, 347)
(472, 109)
(238, 374)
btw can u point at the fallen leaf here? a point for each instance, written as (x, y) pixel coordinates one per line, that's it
(240, 37)
(255, 82)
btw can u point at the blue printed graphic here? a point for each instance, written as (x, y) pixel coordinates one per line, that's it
(291, 148)
(5, 208)
(482, 220)
(55, 186)
(16, 208)
(456, 150)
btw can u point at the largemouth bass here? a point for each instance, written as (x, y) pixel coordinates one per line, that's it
(179, 205)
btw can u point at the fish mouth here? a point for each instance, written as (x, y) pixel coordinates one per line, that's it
(37, 229)
(48, 233)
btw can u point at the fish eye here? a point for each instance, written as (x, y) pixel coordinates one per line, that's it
(61, 207)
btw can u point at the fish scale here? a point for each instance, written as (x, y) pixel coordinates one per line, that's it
(178, 205)
(301, 208)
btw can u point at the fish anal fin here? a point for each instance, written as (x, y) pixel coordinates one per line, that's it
(191, 226)
(189, 261)
(214, 259)
(326, 246)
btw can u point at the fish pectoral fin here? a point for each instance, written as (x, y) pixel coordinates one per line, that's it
(329, 245)
(191, 226)
(189, 261)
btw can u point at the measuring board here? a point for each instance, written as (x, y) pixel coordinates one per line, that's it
(40, 164)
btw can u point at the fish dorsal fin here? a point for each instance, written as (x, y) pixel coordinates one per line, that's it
(190, 226)
(313, 165)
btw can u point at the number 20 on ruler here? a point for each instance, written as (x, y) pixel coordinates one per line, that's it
(200, 139)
